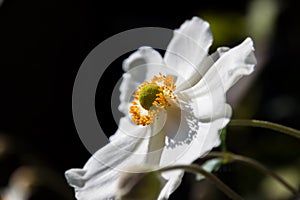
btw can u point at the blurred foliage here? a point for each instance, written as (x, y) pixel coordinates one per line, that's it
(23, 177)
(142, 185)
(230, 27)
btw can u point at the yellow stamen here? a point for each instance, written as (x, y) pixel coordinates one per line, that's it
(156, 93)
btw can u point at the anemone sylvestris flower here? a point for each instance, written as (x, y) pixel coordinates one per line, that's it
(177, 110)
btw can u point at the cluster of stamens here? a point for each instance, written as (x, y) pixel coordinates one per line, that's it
(152, 97)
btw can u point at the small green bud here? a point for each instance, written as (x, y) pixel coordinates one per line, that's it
(148, 95)
(144, 185)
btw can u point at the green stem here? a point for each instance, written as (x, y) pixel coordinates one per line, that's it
(253, 163)
(223, 140)
(265, 124)
(198, 170)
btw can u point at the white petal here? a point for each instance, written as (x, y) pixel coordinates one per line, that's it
(144, 56)
(226, 71)
(203, 68)
(171, 185)
(209, 106)
(176, 176)
(210, 166)
(155, 148)
(218, 53)
(127, 88)
(191, 138)
(235, 63)
(127, 127)
(99, 177)
(188, 48)
(205, 101)
(140, 66)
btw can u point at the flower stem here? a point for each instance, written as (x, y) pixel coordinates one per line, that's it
(198, 170)
(223, 140)
(253, 163)
(265, 124)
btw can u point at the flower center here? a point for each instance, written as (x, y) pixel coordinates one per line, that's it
(151, 98)
(148, 95)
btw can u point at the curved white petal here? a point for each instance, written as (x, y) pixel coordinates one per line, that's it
(171, 185)
(207, 62)
(205, 101)
(144, 56)
(210, 166)
(208, 106)
(189, 134)
(191, 137)
(99, 177)
(218, 53)
(127, 89)
(140, 66)
(188, 139)
(205, 138)
(175, 178)
(155, 148)
(188, 48)
(226, 71)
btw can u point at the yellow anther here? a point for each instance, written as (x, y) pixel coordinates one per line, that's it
(156, 93)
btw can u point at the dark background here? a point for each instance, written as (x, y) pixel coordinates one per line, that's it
(42, 45)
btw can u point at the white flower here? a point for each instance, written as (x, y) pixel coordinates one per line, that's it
(177, 113)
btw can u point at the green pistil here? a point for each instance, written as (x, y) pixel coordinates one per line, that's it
(148, 95)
